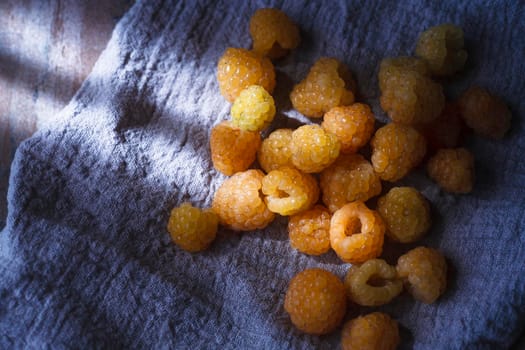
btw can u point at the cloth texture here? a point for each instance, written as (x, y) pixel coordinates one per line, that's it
(85, 258)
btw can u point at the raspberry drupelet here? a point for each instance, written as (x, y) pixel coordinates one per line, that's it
(254, 109)
(396, 149)
(424, 271)
(350, 178)
(309, 231)
(313, 148)
(373, 283)
(375, 331)
(273, 33)
(239, 68)
(316, 301)
(289, 191)
(233, 149)
(452, 169)
(357, 233)
(275, 151)
(485, 113)
(192, 229)
(406, 214)
(238, 202)
(328, 84)
(353, 125)
(442, 47)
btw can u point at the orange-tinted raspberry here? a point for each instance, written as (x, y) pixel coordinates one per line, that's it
(445, 130)
(328, 84)
(254, 109)
(316, 301)
(407, 95)
(375, 331)
(313, 149)
(391, 66)
(406, 214)
(232, 149)
(442, 47)
(191, 228)
(357, 233)
(273, 33)
(353, 125)
(424, 271)
(240, 68)
(289, 191)
(396, 149)
(275, 151)
(372, 284)
(238, 202)
(485, 113)
(309, 231)
(452, 169)
(350, 178)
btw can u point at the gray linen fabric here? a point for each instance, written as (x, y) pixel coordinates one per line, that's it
(85, 259)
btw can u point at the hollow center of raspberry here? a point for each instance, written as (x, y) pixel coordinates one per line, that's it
(353, 226)
(282, 194)
(376, 281)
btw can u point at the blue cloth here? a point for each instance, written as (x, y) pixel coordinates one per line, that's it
(85, 259)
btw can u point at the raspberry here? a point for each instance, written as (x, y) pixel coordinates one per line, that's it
(309, 231)
(191, 228)
(409, 97)
(350, 178)
(396, 149)
(356, 233)
(486, 114)
(273, 33)
(289, 191)
(240, 68)
(316, 301)
(232, 149)
(372, 284)
(406, 214)
(452, 169)
(353, 125)
(275, 151)
(238, 202)
(424, 271)
(391, 66)
(313, 149)
(328, 84)
(254, 109)
(442, 47)
(445, 130)
(375, 331)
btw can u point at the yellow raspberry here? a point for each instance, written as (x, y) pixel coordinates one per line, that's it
(191, 228)
(309, 231)
(273, 33)
(424, 271)
(357, 233)
(452, 169)
(313, 149)
(238, 203)
(485, 113)
(396, 149)
(372, 284)
(254, 109)
(442, 47)
(288, 191)
(350, 178)
(406, 214)
(239, 68)
(328, 84)
(232, 149)
(316, 301)
(353, 125)
(275, 151)
(375, 331)
(389, 67)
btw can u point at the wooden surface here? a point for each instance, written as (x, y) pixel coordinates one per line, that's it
(47, 48)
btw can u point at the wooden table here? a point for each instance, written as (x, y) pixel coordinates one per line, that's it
(47, 48)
